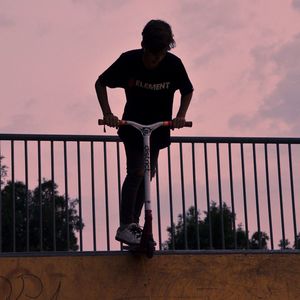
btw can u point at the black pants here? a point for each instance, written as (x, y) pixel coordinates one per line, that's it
(133, 190)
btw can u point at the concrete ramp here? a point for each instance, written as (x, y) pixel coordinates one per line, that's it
(165, 276)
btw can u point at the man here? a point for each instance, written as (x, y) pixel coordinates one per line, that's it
(150, 76)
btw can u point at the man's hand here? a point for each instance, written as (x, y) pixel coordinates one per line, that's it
(111, 120)
(178, 122)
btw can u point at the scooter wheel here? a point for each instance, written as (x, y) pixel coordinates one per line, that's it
(150, 249)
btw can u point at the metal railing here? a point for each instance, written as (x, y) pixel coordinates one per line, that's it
(62, 193)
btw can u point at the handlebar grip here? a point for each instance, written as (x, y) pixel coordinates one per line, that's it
(101, 122)
(188, 124)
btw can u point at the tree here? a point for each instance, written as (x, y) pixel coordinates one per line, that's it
(297, 242)
(284, 244)
(12, 214)
(212, 220)
(259, 240)
(3, 171)
(40, 218)
(178, 236)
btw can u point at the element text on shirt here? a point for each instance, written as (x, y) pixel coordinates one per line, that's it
(153, 86)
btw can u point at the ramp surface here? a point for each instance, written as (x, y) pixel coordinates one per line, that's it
(167, 276)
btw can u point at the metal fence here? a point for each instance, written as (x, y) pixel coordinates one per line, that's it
(62, 193)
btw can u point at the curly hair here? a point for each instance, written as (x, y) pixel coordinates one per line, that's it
(157, 36)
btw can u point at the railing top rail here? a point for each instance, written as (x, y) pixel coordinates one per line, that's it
(237, 140)
(174, 139)
(59, 137)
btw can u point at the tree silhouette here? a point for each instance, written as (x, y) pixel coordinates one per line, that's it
(284, 244)
(259, 240)
(216, 231)
(233, 238)
(38, 220)
(297, 242)
(3, 170)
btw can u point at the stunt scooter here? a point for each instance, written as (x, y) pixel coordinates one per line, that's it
(147, 244)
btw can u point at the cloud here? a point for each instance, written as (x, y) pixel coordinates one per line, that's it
(80, 111)
(225, 14)
(296, 4)
(207, 94)
(5, 21)
(281, 106)
(208, 56)
(20, 121)
(103, 5)
(264, 63)
(283, 103)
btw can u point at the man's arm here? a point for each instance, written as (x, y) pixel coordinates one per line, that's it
(109, 118)
(179, 121)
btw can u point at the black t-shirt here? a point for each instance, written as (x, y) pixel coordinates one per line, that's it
(149, 93)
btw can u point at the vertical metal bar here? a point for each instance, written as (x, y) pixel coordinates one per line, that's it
(208, 196)
(79, 193)
(0, 198)
(220, 196)
(232, 194)
(93, 196)
(292, 193)
(13, 193)
(106, 195)
(26, 197)
(158, 208)
(119, 175)
(171, 200)
(183, 198)
(280, 195)
(119, 184)
(256, 196)
(195, 196)
(67, 194)
(40, 195)
(269, 196)
(53, 196)
(244, 194)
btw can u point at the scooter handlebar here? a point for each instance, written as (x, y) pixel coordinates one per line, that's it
(165, 123)
(170, 124)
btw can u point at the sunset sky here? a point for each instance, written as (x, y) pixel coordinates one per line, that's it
(242, 57)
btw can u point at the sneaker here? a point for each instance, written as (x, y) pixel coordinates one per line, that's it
(130, 234)
(137, 229)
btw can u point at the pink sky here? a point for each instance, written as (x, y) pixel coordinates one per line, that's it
(242, 57)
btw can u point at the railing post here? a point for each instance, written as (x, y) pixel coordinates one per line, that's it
(280, 195)
(232, 194)
(79, 193)
(292, 193)
(106, 195)
(244, 195)
(195, 196)
(13, 194)
(208, 197)
(269, 195)
(183, 198)
(220, 196)
(256, 196)
(171, 201)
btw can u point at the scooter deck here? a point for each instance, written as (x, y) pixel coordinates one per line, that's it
(132, 248)
(135, 250)
(139, 250)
